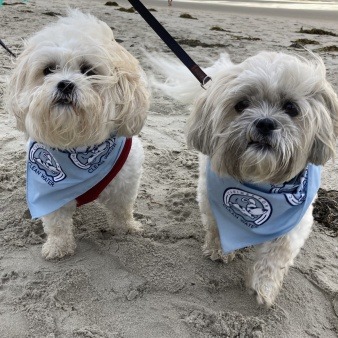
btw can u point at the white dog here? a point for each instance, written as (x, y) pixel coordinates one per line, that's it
(264, 128)
(80, 98)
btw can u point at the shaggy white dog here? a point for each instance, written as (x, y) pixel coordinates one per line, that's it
(80, 98)
(264, 128)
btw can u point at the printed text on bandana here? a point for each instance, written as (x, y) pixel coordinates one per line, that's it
(44, 164)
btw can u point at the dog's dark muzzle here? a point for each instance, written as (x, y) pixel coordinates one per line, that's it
(65, 92)
(265, 126)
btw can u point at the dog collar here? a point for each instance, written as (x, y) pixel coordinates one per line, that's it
(56, 177)
(248, 214)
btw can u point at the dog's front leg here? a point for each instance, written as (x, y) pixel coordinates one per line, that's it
(212, 244)
(119, 199)
(58, 227)
(274, 259)
(120, 195)
(122, 220)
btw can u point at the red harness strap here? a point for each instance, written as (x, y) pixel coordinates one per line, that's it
(93, 193)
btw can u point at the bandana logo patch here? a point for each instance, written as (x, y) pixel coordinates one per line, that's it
(250, 209)
(43, 163)
(294, 191)
(90, 158)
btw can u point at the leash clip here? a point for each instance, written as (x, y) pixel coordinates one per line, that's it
(206, 82)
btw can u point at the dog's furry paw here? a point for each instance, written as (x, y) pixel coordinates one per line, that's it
(131, 227)
(265, 289)
(58, 247)
(135, 227)
(217, 255)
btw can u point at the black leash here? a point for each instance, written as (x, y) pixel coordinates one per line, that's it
(170, 42)
(7, 49)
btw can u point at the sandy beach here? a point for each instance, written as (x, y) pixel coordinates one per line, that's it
(157, 284)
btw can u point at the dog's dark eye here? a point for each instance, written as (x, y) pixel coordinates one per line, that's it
(49, 70)
(242, 105)
(87, 70)
(291, 109)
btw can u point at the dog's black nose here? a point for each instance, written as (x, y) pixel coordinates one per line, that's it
(265, 126)
(66, 87)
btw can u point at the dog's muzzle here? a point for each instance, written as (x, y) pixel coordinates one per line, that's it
(265, 126)
(65, 92)
(262, 134)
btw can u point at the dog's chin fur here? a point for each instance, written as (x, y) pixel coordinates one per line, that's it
(82, 122)
(75, 86)
(111, 98)
(230, 139)
(241, 152)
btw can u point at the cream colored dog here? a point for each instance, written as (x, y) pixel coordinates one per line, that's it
(263, 128)
(80, 98)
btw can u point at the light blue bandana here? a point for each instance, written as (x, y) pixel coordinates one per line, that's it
(56, 177)
(249, 214)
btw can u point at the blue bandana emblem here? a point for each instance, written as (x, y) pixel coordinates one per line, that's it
(86, 158)
(56, 177)
(253, 210)
(90, 158)
(248, 213)
(288, 189)
(43, 163)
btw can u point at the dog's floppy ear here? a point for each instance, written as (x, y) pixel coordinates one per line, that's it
(199, 126)
(206, 120)
(326, 110)
(17, 81)
(131, 94)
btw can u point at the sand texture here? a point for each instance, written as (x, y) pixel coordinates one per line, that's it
(156, 284)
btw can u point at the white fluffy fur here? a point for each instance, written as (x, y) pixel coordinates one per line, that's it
(110, 95)
(235, 147)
